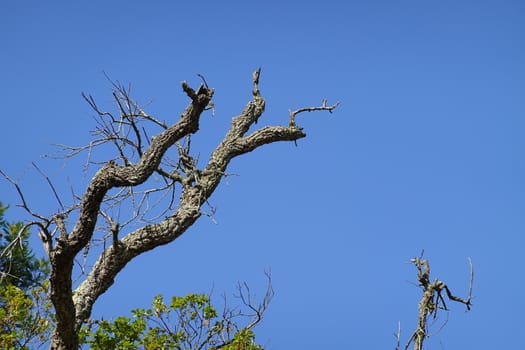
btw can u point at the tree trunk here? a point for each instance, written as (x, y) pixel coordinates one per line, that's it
(65, 336)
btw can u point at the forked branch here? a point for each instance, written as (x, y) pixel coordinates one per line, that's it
(322, 107)
(128, 179)
(432, 300)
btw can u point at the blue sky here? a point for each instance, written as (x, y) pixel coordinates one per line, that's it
(425, 152)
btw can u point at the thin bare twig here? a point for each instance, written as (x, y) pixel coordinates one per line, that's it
(397, 335)
(323, 107)
(22, 198)
(50, 185)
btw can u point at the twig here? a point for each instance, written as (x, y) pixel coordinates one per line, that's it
(323, 107)
(50, 185)
(22, 198)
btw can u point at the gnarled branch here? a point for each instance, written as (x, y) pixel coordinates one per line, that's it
(431, 301)
(138, 158)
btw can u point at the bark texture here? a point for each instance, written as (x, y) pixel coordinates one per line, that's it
(73, 307)
(432, 300)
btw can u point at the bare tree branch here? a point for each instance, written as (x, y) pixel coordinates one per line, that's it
(50, 185)
(255, 313)
(323, 107)
(432, 300)
(128, 179)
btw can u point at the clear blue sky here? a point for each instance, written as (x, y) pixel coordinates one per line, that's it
(425, 152)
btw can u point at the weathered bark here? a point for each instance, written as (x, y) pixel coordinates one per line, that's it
(431, 301)
(69, 245)
(73, 308)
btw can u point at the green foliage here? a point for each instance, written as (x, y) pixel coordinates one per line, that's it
(189, 322)
(123, 333)
(18, 264)
(25, 316)
(243, 340)
(25, 310)
(26, 319)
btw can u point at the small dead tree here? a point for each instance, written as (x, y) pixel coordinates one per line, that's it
(431, 301)
(142, 169)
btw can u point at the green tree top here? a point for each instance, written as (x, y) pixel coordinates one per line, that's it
(25, 309)
(18, 265)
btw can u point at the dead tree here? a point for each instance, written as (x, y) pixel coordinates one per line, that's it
(431, 301)
(71, 233)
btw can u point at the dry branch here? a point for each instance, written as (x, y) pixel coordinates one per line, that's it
(431, 301)
(323, 107)
(125, 179)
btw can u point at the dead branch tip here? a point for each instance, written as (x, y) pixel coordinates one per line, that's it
(323, 107)
(255, 78)
(188, 90)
